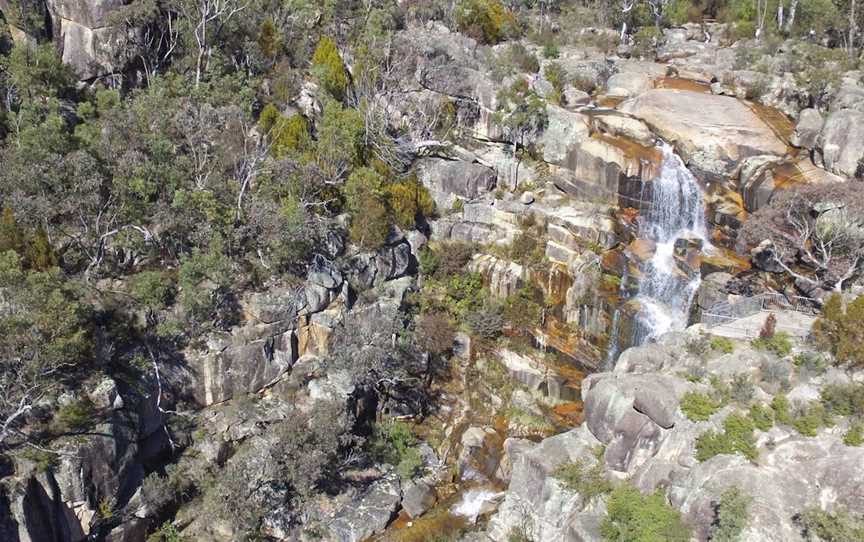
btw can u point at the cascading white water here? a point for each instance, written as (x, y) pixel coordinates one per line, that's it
(677, 212)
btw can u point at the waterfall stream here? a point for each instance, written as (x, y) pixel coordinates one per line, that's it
(665, 291)
(677, 212)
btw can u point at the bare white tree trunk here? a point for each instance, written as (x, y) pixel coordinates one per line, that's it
(793, 7)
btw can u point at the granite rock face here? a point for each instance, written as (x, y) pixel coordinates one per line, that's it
(712, 133)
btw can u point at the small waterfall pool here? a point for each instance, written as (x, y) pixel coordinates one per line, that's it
(677, 213)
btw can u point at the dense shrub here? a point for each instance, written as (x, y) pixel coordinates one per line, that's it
(839, 329)
(586, 480)
(737, 437)
(487, 21)
(810, 418)
(486, 322)
(435, 333)
(782, 409)
(410, 203)
(762, 416)
(153, 290)
(635, 517)
(810, 363)
(74, 416)
(448, 259)
(844, 399)
(393, 442)
(557, 76)
(370, 228)
(523, 309)
(730, 516)
(839, 526)
(286, 135)
(645, 41)
(328, 69)
(855, 435)
(780, 343)
(699, 406)
(741, 388)
(776, 373)
(722, 344)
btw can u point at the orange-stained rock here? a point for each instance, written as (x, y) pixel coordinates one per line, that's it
(642, 249)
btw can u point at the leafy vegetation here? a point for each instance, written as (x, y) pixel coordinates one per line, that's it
(635, 517)
(722, 344)
(839, 526)
(586, 479)
(699, 406)
(486, 20)
(737, 437)
(780, 344)
(839, 329)
(730, 516)
(392, 442)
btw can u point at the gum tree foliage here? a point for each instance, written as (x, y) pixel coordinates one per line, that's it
(283, 467)
(45, 340)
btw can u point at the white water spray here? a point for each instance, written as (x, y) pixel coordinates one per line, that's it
(474, 503)
(677, 212)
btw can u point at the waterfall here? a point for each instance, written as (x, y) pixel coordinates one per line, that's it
(677, 212)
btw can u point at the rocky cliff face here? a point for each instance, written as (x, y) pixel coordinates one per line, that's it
(91, 35)
(578, 194)
(633, 412)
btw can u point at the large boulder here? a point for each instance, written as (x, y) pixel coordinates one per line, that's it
(448, 180)
(368, 513)
(537, 502)
(842, 142)
(712, 133)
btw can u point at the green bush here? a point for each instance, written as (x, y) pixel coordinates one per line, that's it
(328, 69)
(394, 443)
(730, 516)
(737, 437)
(487, 21)
(762, 416)
(811, 418)
(722, 344)
(741, 388)
(550, 50)
(810, 362)
(152, 289)
(839, 329)
(855, 435)
(782, 409)
(780, 343)
(840, 526)
(288, 136)
(557, 77)
(588, 481)
(634, 517)
(699, 406)
(645, 41)
(75, 415)
(428, 261)
(844, 399)
(486, 322)
(523, 309)
(167, 533)
(370, 228)
(409, 202)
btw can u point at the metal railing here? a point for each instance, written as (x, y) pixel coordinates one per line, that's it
(725, 312)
